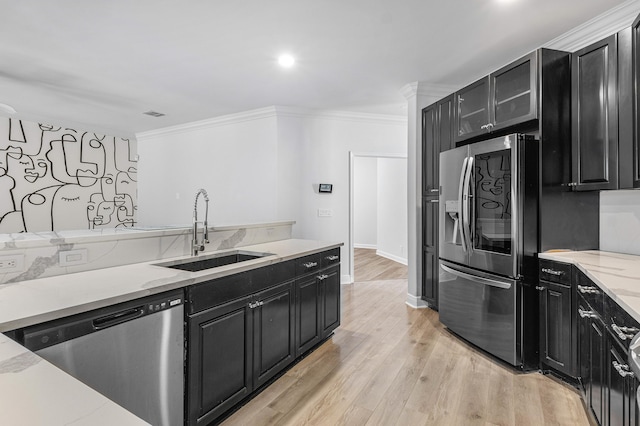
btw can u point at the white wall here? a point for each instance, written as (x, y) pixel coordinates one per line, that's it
(620, 221)
(326, 158)
(263, 165)
(365, 202)
(236, 162)
(392, 209)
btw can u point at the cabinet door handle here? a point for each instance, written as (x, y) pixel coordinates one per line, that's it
(323, 277)
(310, 265)
(253, 305)
(540, 288)
(624, 333)
(434, 190)
(622, 369)
(587, 314)
(553, 272)
(434, 201)
(332, 258)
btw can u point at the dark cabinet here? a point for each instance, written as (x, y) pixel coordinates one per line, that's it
(246, 328)
(437, 136)
(330, 298)
(622, 386)
(273, 331)
(595, 116)
(557, 333)
(605, 330)
(308, 309)
(430, 268)
(631, 165)
(555, 327)
(317, 307)
(220, 360)
(503, 99)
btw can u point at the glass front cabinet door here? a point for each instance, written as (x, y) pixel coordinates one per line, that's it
(505, 98)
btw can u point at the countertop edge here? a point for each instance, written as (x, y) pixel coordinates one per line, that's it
(590, 262)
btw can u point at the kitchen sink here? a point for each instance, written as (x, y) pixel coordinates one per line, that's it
(222, 259)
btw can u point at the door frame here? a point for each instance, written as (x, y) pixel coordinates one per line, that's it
(352, 158)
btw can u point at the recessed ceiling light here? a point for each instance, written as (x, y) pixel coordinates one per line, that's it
(7, 108)
(154, 113)
(286, 60)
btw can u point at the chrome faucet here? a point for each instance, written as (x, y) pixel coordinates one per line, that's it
(195, 245)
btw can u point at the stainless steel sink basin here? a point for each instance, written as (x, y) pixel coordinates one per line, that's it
(201, 263)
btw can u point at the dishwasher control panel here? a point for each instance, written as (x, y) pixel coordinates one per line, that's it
(61, 330)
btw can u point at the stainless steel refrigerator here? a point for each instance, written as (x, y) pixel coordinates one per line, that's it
(488, 243)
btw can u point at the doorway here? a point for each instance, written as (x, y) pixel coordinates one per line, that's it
(377, 216)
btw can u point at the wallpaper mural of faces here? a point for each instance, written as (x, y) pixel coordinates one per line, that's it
(55, 178)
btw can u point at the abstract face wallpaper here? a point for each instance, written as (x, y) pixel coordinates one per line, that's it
(56, 178)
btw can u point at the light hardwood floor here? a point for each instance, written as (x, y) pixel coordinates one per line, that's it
(370, 267)
(389, 364)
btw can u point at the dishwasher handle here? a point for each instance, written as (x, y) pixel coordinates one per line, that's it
(118, 318)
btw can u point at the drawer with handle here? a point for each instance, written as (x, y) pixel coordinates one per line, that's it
(308, 264)
(591, 293)
(555, 272)
(622, 325)
(330, 257)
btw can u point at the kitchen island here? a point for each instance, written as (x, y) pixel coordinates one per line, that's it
(35, 385)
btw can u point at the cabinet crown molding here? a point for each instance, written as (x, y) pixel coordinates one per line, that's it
(601, 26)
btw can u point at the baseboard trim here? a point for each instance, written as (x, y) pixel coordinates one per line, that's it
(366, 246)
(346, 279)
(416, 302)
(392, 257)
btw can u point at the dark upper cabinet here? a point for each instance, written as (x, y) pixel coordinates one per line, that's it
(472, 110)
(504, 98)
(630, 96)
(595, 116)
(437, 136)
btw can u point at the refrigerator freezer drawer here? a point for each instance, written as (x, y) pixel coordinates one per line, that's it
(482, 309)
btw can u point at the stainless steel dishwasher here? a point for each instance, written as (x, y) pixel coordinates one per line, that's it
(133, 353)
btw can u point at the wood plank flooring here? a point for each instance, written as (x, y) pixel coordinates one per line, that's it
(389, 364)
(370, 267)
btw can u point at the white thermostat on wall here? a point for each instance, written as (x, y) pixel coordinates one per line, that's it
(325, 187)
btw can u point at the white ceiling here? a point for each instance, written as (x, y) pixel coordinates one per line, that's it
(100, 64)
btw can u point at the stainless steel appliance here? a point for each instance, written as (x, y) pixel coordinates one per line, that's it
(132, 353)
(488, 241)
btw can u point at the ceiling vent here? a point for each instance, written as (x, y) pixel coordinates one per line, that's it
(154, 113)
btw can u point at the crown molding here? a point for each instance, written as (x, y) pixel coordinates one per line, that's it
(420, 88)
(274, 111)
(601, 26)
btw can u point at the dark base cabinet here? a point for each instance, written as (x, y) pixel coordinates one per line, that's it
(244, 329)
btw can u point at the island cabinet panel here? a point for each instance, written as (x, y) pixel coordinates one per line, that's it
(308, 310)
(330, 291)
(274, 332)
(220, 358)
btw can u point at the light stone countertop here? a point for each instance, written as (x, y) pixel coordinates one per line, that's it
(33, 391)
(617, 274)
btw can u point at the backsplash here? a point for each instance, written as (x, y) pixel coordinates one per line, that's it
(40, 253)
(620, 221)
(54, 178)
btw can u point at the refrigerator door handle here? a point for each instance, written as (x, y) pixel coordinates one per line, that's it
(466, 205)
(474, 278)
(460, 222)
